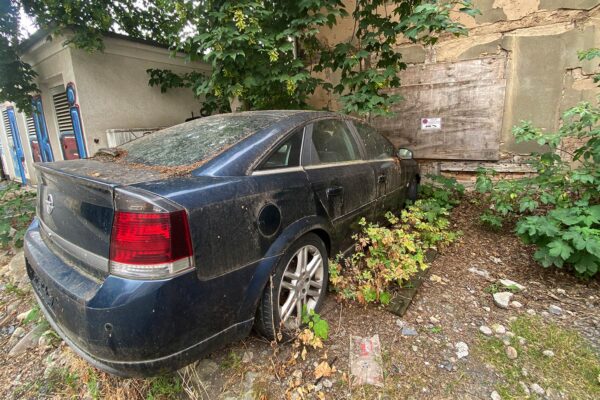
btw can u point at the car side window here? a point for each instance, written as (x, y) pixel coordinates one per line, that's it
(333, 142)
(376, 145)
(287, 155)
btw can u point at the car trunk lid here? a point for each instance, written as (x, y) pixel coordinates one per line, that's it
(76, 208)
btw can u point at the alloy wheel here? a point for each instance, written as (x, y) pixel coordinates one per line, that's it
(301, 285)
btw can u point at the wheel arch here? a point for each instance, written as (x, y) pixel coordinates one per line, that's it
(314, 224)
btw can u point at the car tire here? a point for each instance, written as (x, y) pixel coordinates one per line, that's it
(413, 190)
(292, 282)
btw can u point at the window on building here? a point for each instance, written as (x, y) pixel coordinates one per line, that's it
(6, 122)
(61, 107)
(33, 141)
(30, 126)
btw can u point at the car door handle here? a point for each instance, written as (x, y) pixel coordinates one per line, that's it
(381, 178)
(334, 191)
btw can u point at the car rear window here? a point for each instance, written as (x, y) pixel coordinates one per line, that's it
(197, 140)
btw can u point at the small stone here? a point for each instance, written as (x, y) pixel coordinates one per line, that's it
(415, 348)
(19, 333)
(447, 365)
(485, 330)
(28, 341)
(512, 285)
(531, 311)
(502, 299)
(409, 331)
(462, 350)
(511, 353)
(495, 260)
(247, 357)
(524, 372)
(516, 304)
(327, 383)
(495, 396)
(487, 309)
(548, 353)
(524, 388)
(45, 342)
(499, 329)
(400, 323)
(481, 272)
(561, 291)
(434, 320)
(537, 389)
(206, 369)
(556, 310)
(419, 320)
(16, 267)
(522, 341)
(21, 317)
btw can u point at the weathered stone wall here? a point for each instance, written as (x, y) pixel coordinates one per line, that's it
(536, 40)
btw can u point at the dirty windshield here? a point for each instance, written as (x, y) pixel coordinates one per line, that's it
(197, 140)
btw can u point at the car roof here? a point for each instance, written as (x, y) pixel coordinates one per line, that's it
(237, 159)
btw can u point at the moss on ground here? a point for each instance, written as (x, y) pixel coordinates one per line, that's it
(574, 370)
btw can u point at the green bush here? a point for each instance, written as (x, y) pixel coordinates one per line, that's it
(447, 192)
(386, 257)
(18, 208)
(557, 208)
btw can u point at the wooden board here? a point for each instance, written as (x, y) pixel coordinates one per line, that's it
(469, 98)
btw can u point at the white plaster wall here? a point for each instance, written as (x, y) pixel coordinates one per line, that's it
(113, 91)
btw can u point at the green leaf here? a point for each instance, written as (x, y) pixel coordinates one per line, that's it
(321, 329)
(384, 298)
(559, 248)
(593, 246)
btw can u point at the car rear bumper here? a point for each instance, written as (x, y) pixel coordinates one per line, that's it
(139, 328)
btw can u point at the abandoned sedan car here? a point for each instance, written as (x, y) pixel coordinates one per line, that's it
(183, 240)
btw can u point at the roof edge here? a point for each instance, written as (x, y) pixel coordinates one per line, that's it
(40, 34)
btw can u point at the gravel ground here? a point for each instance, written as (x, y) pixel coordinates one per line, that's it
(441, 361)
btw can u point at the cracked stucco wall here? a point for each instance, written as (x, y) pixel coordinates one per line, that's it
(538, 39)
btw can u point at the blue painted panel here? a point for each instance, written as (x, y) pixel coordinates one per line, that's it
(76, 119)
(18, 155)
(42, 131)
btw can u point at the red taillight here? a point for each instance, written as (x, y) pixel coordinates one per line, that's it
(150, 245)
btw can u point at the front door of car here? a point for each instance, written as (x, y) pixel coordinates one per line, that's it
(381, 155)
(343, 182)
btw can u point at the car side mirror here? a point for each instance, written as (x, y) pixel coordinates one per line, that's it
(405, 154)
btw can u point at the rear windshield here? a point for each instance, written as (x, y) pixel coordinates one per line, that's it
(197, 140)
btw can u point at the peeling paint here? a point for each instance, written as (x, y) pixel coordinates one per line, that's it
(517, 9)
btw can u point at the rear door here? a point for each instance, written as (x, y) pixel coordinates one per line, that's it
(343, 182)
(387, 168)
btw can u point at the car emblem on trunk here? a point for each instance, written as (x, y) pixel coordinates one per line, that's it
(49, 204)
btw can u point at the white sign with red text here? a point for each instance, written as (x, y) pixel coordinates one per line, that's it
(428, 124)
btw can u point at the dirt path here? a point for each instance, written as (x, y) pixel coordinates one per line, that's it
(450, 307)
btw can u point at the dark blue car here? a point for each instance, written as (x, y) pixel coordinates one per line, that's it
(147, 257)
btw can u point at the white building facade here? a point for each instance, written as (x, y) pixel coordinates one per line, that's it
(85, 97)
